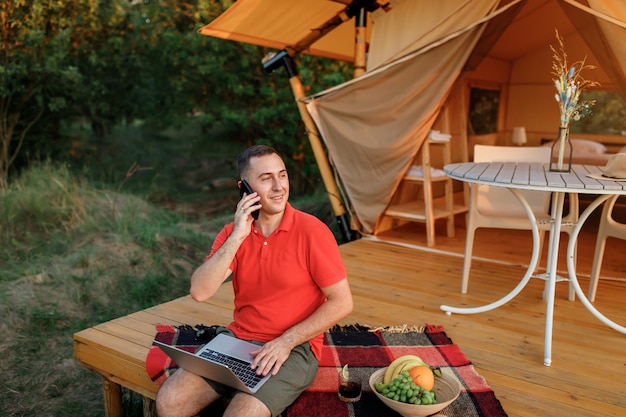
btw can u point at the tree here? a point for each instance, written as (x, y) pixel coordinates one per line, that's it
(606, 117)
(117, 61)
(36, 39)
(222, 83)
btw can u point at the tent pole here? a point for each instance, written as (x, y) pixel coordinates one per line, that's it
(283, 58)
(360, 48)
(357, 9)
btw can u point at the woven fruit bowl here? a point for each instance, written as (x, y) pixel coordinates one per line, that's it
(446, 389)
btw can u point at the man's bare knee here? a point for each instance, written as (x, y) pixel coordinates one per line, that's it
(244, 405)
(184, 394)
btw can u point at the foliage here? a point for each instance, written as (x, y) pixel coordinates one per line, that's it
(70, 262)
(37, 38)
(102, 63)
(609, 114)
(184, 166)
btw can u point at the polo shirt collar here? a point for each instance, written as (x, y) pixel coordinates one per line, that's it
(288, 218)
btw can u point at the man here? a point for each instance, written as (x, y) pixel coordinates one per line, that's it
(290, 286)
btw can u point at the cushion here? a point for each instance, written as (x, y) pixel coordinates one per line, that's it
(584, 146)
(587, 146)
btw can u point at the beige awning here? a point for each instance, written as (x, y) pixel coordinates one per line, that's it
(283, 24)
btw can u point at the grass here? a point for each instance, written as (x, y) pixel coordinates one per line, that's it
(81, 246)
(70, 261)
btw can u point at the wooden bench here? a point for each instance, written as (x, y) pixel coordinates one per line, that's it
(117, 349)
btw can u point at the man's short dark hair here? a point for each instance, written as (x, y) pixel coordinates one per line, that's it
(243, 160)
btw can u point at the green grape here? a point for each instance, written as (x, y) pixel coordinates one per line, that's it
(390, 394)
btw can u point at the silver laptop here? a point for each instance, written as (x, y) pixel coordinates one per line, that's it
(224, 359)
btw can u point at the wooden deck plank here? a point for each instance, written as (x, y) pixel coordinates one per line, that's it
(115, 359)
(549, 401)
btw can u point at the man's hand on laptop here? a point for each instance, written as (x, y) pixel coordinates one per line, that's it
(270, 357)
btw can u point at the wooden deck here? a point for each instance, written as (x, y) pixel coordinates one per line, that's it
(395, 284)
(402, 285)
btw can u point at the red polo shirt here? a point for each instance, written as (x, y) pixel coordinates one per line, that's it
(278, 279)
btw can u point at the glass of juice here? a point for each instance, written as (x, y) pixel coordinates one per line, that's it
(349, 385)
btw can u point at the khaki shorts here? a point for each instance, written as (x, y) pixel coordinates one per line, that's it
(281, 390)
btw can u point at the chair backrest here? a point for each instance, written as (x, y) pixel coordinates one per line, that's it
(496, 201)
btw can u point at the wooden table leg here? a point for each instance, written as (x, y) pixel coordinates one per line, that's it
(112, 398)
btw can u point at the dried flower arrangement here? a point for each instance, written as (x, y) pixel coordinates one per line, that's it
(569, 83)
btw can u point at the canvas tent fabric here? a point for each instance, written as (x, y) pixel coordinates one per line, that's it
(374, 125)
(419, 50)
(397, 34)
(283, 24)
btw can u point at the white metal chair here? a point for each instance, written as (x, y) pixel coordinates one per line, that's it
(608, 227)
(494, 207)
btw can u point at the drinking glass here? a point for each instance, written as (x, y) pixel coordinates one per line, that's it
(349, 388)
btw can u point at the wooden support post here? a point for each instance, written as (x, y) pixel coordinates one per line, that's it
(322, 161)
(284, 58)
(112, 398)
(347, 226)
(360, 47)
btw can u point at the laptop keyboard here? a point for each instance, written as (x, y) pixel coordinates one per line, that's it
(240, 368)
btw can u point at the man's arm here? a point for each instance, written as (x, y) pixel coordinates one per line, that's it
(274, 353)
(206, 280)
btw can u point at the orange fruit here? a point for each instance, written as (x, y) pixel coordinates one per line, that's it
(422, 376)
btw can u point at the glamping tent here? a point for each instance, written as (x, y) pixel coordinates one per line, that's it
(424, 60)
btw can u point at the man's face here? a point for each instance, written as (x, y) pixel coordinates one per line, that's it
(268, 177)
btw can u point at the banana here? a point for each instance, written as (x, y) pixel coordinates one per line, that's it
(390, 370)
(406, 365)
(413, 357)
(395, 367)
(410, 364)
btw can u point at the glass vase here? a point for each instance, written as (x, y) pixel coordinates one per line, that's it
(561, 152)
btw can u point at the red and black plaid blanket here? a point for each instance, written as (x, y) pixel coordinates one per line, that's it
(365, 348)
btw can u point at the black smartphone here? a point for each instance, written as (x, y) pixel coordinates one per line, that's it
(245, 188)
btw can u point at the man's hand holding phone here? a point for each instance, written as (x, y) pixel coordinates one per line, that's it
(246, 190)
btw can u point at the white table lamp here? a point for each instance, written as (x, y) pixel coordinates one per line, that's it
(519, 136)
